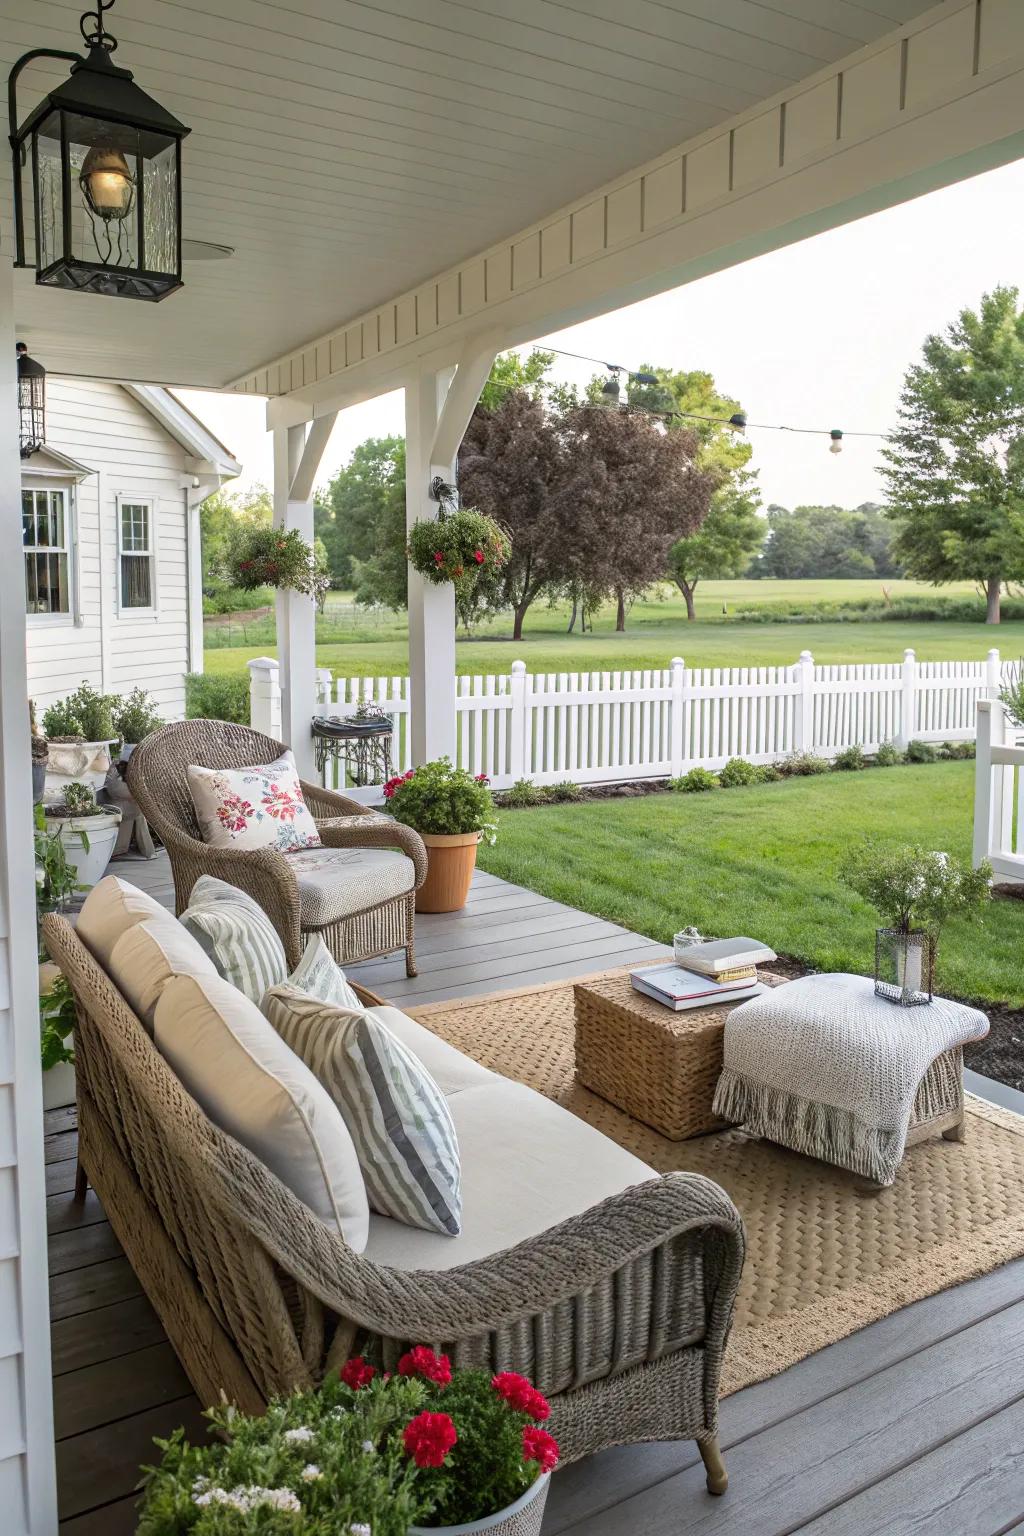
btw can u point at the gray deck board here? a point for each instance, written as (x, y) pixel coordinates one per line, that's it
(913, 1426)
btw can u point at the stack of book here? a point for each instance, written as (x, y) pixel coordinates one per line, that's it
(719, 971)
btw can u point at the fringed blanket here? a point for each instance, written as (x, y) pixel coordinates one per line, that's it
(825, 1067)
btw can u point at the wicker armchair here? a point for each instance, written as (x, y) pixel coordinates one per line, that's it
(620, 1314)
(158, 782)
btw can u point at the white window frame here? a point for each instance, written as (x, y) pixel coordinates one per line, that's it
(131, 499)
(34, 485)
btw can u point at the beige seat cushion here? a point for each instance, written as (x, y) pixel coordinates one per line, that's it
(527, 1164)
(148, 955)
(336, 882)
(448, 1067)
(111, 907)
(240, 1071)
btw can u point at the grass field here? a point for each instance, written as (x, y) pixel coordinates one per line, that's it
(763, 861)
(355, 643)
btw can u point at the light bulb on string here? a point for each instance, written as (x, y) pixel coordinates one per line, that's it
(610, 387)
(836, 445)
(738, 421)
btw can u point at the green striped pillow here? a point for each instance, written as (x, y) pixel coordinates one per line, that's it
(396, 1114)
(237, 934)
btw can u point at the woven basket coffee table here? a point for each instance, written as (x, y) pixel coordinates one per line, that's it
(661, 1067)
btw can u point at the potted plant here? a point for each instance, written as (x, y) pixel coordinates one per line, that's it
(40, 756)
(87, 831)
(452, 811)
(81, 729)
(263, 556)
(56, 880)
(368, 1454)
(460, 545)
(915, 890)
(135, 718)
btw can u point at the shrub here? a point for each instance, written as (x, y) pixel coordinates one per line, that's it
(802, 765)
(737, 773)
(957, 751)
(888, 755)
(136, 717)
(441, 800)
(768, 773)
(219, 598)
(217, 698)
(566, 790)
(915, 888)
(922, 752)
(524, 793)
(849, 760)
(85, 714)
(695, 782)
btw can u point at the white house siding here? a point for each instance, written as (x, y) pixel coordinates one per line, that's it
(105, 430)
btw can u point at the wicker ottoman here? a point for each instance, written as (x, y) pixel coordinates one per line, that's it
(661, 1067)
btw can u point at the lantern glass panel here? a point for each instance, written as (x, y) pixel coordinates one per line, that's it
(160, 204)
(49, 191)
(103, 160)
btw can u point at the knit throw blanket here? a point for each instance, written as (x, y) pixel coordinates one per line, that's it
(823, 1066)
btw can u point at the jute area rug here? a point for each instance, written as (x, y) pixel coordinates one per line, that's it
(826, 1255)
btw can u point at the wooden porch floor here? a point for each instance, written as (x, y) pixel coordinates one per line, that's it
(911, 1427)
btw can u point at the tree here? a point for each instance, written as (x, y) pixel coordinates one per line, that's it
(382, 575)
(726, 541)
(954, 466)
(219, 518)
(815, 543)
(629, 491)
(349, 514)
(510, 372)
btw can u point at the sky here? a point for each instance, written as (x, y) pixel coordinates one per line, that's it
(818, 334)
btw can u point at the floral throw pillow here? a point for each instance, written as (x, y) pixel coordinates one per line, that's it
(259, 807)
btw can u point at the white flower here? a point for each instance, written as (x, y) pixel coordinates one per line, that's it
(369, 1448)
(279, 1498)
(246, 1499)
(298, 1436)
(311, 1473)
(359, 1530)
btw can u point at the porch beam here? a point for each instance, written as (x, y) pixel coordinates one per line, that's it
(312, 452)
(934, 101)
(460, 400)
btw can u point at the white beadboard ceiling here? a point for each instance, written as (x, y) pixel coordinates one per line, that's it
(351, 149)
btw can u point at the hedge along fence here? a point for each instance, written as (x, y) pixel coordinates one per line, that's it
(595, 727)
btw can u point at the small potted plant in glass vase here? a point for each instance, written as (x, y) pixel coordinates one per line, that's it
(453, 812)
(87, 831)
(915, 890)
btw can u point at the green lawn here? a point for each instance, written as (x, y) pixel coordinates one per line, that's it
(355, 643)
(762, 861)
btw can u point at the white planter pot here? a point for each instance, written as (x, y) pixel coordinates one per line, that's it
(101, 832)
(523, 1518)
(95, 761)
(59, 1086)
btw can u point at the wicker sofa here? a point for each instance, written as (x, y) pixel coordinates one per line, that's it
(619, 1310)
(298, 900)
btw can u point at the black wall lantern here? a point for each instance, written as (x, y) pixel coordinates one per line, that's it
(31, 402)
(106, 176)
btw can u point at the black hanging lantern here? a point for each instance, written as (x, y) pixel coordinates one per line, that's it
(106, 177)
(31, 402)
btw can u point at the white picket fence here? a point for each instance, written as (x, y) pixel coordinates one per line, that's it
(999, 794)
(605, 726)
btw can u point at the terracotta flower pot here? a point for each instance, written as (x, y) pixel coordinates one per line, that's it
(451, 859)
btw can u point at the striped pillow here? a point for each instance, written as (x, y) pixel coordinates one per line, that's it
(319, 975)
(237, 935)
(396, 1114)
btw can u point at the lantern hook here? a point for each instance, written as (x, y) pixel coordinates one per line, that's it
(96, 35)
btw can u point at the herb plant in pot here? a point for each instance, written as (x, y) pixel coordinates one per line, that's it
(135, 718)
(80, 731)
(452, 811)
(87, 831)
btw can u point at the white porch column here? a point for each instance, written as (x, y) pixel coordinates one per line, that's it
(438, 407)
(27, 1486)
(297, 454)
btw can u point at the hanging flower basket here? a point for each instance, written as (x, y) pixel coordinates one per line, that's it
(459, 546)
(275, 557)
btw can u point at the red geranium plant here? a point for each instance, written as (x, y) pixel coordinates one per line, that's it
(474, 1439)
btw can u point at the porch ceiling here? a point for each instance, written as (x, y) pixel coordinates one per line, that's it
(350, 150)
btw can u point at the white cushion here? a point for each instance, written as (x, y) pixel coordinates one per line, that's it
(448, 1067)
(257, 807)
(147, 956)
(250, 1084)
(319, 975)
(397, 1115)
(527, 1164)
(110, 908)
(335, 882)
(241, 941)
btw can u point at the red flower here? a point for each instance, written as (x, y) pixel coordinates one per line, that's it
(478, 556)
(438, 557)
(429, 1437)
(521, 1394)
(482, 778)
(539, 1446)
(422, 1361)
(355, 1373)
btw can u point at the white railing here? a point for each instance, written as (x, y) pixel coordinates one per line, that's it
(604, 726)
(999, 793)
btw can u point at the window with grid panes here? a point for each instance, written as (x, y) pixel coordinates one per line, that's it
(135, 530)
(46, 540)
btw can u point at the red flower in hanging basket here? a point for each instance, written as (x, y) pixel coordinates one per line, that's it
(355, 1373)
(429, 1437)
(478, 556)
(438, 557)
(539, 1446)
